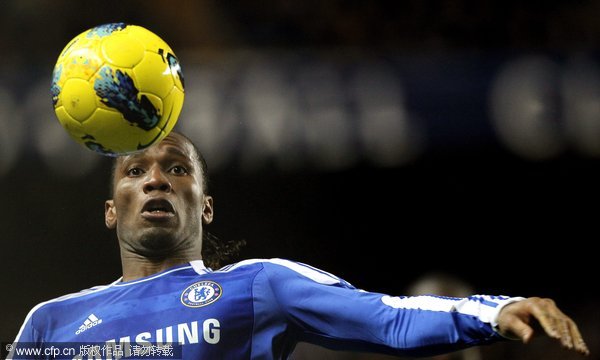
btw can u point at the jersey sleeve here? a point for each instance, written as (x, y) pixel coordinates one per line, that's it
(323, 309)
(27, 338)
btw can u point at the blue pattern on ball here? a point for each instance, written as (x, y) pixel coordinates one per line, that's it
(174, 65)
(106, 29)
(118, 91)
(54, 88)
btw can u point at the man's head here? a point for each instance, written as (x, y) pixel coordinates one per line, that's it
(159, 202)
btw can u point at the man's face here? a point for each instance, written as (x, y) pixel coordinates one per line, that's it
(158, 205)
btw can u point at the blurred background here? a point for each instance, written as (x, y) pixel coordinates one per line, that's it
(380, 141)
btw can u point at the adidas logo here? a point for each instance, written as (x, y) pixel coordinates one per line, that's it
(91, 321)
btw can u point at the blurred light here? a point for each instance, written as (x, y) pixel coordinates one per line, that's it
(11, 131)
(269, 107)
(61, 154)
(290, 111)
(328, 126)
(388, 133)
(524, 106)
(581, 89)
(209, 117)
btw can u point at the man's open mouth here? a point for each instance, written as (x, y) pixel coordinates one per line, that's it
(158, 209)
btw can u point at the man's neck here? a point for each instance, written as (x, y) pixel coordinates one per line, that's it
(136, 266)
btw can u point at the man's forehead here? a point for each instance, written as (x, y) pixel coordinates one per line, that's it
(173, 144)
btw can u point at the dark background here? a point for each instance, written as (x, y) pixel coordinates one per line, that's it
(467, 203)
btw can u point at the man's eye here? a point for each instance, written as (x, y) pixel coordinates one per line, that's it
(135, 172)
(179, 170)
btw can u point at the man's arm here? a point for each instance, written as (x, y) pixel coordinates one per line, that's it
(322, 309)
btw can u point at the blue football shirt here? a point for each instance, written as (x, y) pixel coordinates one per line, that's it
(260, 309)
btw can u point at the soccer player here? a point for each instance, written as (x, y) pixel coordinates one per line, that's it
(253, 309)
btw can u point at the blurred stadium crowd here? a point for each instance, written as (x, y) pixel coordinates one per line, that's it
(334, 111)
(479, 118)
(272, 81)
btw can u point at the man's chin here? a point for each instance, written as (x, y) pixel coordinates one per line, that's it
(158, 243)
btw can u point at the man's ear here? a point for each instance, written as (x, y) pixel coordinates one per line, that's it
(110, 214)
(207, 210)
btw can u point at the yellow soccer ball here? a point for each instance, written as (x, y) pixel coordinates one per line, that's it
(117, 88)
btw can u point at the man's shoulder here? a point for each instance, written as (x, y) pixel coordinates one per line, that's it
(283, 267)
(258, 263)
(68, 299)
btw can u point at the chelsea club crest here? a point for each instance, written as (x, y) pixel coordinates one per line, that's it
(201, 294)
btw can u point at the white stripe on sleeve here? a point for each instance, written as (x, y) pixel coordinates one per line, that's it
(484, 307)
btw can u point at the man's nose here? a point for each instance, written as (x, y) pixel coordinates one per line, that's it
(157, 180)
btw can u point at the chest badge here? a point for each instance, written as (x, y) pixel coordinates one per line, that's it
(201, 294)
